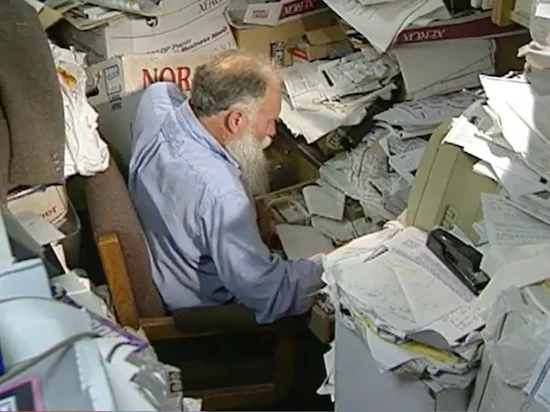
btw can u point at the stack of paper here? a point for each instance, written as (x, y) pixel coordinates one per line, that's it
(508, 134)
(421, 117)
(89, 14)
(380, 21)
(322, 96)
(430, 69)
(415, 315)
(380, 171)
(316, 220)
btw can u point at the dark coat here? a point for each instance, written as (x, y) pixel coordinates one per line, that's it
(32, 127)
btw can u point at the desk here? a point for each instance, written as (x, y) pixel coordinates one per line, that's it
(360, 385)
(491, 393)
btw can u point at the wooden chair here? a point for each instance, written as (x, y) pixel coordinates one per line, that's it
(122, 251)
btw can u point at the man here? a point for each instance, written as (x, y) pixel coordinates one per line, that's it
(194, 170)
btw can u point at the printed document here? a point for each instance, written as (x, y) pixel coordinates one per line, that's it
(507, 225)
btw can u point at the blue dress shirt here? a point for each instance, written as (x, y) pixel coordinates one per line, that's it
(200, 225)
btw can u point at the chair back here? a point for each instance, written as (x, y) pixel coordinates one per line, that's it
(111, 211)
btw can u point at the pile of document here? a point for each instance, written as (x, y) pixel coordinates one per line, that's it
(317, 218)
(509, 135)
(415, 316)
(88, 14)
(380, 171)
(322, 96)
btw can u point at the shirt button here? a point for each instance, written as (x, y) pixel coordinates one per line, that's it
(55, 156)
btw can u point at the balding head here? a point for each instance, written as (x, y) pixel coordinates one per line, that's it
(234, 78)
(237, 97)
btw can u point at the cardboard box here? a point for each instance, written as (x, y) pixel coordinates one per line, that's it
(327, 42)
(49, 202)
(271, 41)
(198, 25)
(269, 13)
(119, 84)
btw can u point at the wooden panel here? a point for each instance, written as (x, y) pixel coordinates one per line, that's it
(501, 12)
(115, 271)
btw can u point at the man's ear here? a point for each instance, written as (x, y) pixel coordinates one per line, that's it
(236, 121)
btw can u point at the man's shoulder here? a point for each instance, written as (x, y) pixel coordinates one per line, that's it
(164, 91)
(207, 177)
(155, 104)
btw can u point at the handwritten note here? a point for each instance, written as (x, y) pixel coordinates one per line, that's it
(411, 243)
(457, 324)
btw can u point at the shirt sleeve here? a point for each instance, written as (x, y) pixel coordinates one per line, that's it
(263, 281)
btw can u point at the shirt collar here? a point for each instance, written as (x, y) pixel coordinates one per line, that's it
(190, 121)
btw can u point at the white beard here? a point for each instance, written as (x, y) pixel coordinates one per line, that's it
(248, 152)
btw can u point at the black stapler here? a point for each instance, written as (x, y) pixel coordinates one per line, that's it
(462, 259)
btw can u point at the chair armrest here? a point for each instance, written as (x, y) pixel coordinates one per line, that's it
(210, 321)
(218, 319)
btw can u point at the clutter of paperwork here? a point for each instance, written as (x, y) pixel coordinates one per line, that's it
(380, 171)
(415, 316)
(508, 132)
(320, 97)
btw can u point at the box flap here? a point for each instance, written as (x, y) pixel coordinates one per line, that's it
(293, 41)
(325, 35)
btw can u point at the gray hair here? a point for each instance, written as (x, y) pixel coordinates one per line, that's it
(231, 78)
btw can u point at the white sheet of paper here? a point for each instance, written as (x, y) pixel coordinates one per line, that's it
(405, 163)
(485, 169)
(359, 249)
(402, 294)
(495, 257)
(340, 231)
(457, 324)
(304, 85)
(411, 243)
(510, 170)
(539, 209)
(324, 201)
(519, 273)
(428, 297)
(374, 285)
(314, 124)
(302, 242)
(430, 69)
(431, 111)
(39, 228)
(38, 6)
(507, 225)
(388, 355)
(481, 230)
